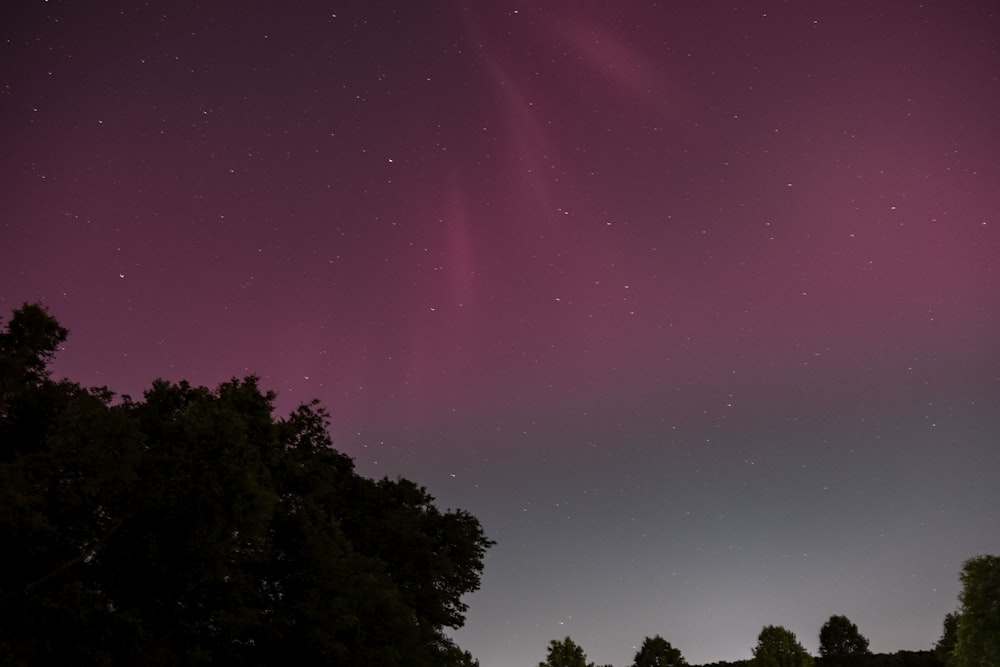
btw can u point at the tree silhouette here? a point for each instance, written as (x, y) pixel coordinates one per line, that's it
(657, 652)
(945, 646)
(778, 647)
(193, 527)
(28, 345)
(564, 653)
(978, 636)
(839, 640)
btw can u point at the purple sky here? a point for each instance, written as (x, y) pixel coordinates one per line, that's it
(695, 306)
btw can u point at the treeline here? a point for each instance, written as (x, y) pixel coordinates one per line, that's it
(776, 647)
(897, 659)
(193, 527)
(970, 637)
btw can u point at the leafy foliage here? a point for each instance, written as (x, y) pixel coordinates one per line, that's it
(657, 652)
(840, 639)
(564, 653)
(194, 527)
(26, 348)
(945, 646)
(978, 635)
(897, 659)
(778, 647)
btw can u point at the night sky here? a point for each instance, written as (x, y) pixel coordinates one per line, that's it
(695, 305)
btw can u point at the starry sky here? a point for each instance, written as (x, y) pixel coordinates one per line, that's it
(695, 305)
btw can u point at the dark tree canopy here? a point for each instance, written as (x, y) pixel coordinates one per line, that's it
(29, 343)
(778, 647)
(31, 339)
(657, 652)
(839, 638)
(978, 633)
(564, 653)
(194, 527)
(897, 659)
(945, 646)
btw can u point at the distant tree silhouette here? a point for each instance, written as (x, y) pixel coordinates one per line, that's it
(840, 641)
(897, 659)
(195, 528)
(657, 652)
(978, 635)
(564, 653)
(31, 339)
(778, 647)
